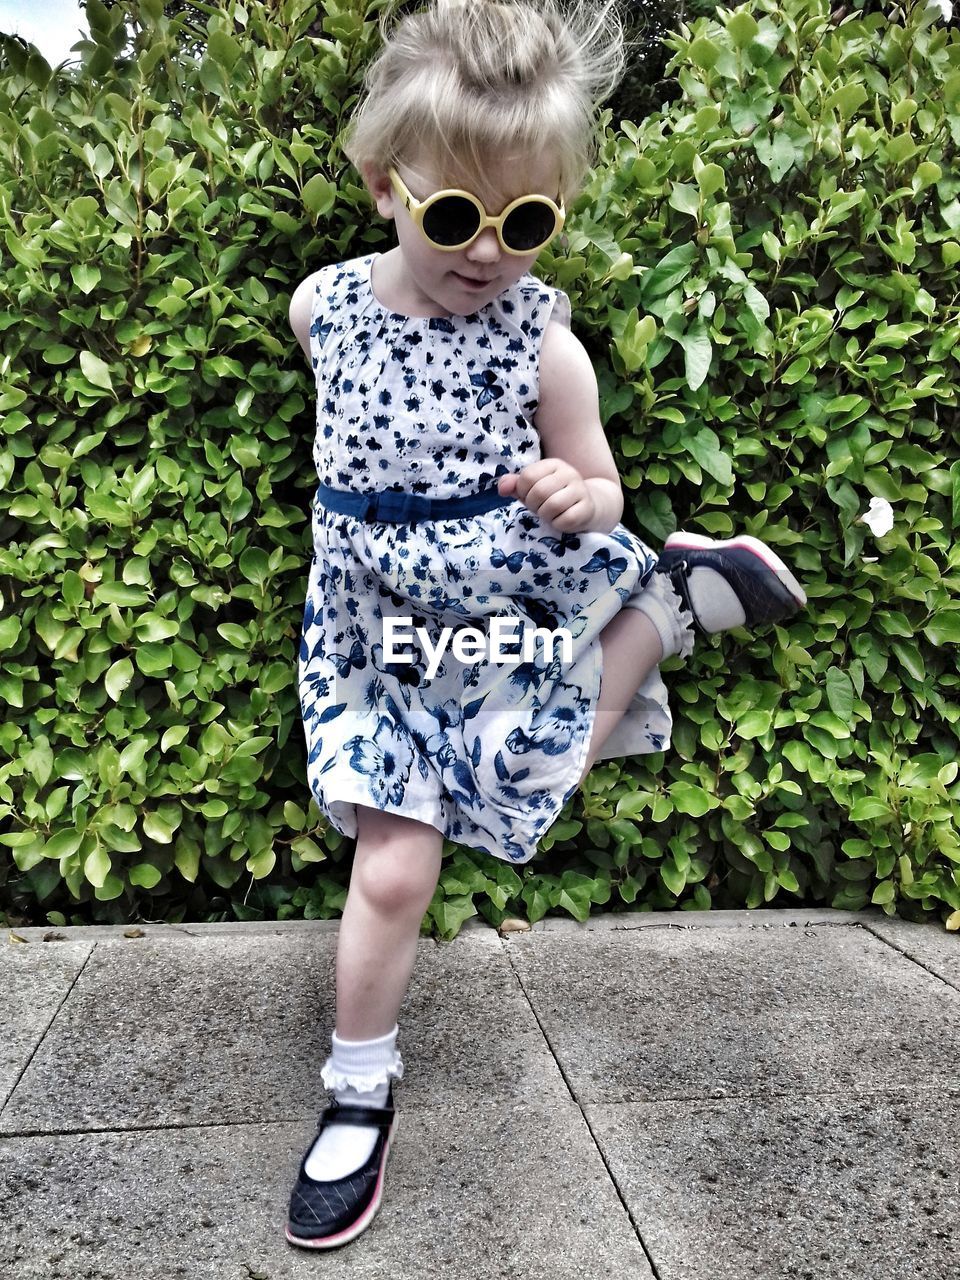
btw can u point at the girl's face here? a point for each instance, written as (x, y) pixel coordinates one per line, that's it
(428, 275)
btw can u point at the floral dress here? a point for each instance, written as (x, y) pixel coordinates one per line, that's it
(488, 749)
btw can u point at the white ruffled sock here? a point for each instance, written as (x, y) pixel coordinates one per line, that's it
(358, 1073)
(661, 602)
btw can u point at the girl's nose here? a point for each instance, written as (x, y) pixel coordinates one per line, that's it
(486, 247)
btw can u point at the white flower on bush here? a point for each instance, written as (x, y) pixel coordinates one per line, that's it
(878, 517)
(945, 8)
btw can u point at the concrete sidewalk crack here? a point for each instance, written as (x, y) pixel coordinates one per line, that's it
(573, 1097)
(913, 959)
(46, 1031)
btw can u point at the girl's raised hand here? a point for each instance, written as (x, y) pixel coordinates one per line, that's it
(553, 490)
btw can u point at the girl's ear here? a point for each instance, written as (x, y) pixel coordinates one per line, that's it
(380, 187)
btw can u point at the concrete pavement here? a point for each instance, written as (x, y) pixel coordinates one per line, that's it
(682, 1095)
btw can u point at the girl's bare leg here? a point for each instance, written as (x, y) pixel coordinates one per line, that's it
(395, 871)
(631, 649)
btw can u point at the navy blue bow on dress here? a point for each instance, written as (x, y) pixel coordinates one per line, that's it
(396, 507)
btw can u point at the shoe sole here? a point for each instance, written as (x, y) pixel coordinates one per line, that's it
(697, 542)
(361, 1224)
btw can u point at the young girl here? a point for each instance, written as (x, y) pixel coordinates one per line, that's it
(465, 482)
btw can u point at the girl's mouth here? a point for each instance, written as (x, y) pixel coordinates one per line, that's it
(470, 283)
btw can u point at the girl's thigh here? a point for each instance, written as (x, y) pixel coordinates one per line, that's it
(395, 828)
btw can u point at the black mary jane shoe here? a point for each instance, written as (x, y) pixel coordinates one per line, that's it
(324, 1215)
(765, 587)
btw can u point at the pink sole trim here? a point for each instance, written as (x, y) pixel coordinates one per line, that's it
(697, 541)
(351, 1232)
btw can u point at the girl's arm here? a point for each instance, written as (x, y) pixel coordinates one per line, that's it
(568, 421)
(299, 313)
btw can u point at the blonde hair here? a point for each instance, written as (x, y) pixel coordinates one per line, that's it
(466, 81)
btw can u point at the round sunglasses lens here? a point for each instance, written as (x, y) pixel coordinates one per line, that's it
(451, 220)
(529, 226)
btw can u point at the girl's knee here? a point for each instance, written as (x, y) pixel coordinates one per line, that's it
(397, 869)
(396, 884)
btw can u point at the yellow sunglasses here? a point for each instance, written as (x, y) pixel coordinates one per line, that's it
(452, 219)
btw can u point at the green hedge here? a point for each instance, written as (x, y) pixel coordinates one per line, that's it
(766, 276)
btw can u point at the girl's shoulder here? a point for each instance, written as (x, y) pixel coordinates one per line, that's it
(319, 298)
(340, 276)
(543, 302)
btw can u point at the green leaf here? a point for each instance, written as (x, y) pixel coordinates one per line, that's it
(673, 877)
(704, 52)
(222, 46)
(846, 100)
(262, 863)
(95, 371)
(742, 29)
(868, 808)
(692, 800)
(235, 635)
(909, 656)
(840, 693)
(319, 195)
(754, 723)
(698, 353)
(705, 447)
(636, 337)
(944, 628)
(118, 678)
(884, 892)
(711, 178)
(831, 723)
(778, 154)
(307, 850)
(684, 198)
(672, 268)
(145, 875)
(96, 867)
(255, 565)
(156, 828)
(86, 278)
(450, 913)
(63, 844)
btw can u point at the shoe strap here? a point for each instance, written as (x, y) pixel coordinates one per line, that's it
(372, 1117)
(678, 576)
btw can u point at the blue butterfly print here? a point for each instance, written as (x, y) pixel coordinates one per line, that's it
(567, 542)
(602, 561)
(355, 658)
(491, 390)
(322, 331)
(514, 561)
